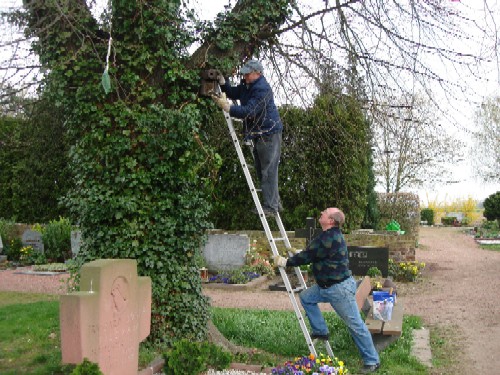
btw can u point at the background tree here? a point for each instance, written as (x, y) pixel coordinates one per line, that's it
(485, 152)
(40, 173)
(411, 147)
(34, 162)
(372, 214)
(9, 135)
(492, 207)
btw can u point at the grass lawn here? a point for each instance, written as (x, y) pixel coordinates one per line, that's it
(29, 335)
(494, 247)
(279, 333)
(30, 343)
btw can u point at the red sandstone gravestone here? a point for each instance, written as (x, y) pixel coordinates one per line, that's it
(108, 318)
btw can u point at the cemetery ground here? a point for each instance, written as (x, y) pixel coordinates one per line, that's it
(457, 300)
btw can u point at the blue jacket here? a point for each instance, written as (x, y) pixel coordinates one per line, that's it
(257, 109)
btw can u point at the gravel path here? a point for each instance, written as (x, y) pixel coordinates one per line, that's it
(459, 294)
(18, 281)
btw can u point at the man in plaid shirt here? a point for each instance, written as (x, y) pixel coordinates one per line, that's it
(329, 260)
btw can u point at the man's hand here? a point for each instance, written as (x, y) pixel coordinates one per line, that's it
(221, 101)
(279, 261)
(221, 79)
(293, 250)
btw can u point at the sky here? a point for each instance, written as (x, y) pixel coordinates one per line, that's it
(467, 186)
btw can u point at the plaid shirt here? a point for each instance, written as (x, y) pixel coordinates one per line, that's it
(328, 255)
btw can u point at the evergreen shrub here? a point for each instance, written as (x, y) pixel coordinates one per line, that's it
(87, 368)
(194, 357)
(427, 214)
(56, 239)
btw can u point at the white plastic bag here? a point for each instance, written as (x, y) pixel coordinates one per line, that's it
(383, 302)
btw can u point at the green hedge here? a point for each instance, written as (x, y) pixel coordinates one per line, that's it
(427, 214)
(448, 220)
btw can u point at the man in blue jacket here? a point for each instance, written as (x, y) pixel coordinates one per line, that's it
(261, 124)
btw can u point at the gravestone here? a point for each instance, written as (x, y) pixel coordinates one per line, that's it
(224, 252)
(108, 318)
(362, 258)
(309, 232)
(76, 242)
(32, 238)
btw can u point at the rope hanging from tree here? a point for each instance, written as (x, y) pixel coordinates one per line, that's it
(105, 79)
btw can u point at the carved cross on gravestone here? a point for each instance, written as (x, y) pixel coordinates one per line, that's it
(309, 232)
(108, 318)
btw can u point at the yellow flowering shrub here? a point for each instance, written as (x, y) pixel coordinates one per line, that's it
(405, 271)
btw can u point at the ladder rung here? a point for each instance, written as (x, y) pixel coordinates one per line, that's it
(318, 340)
(299, 289)
(280, 239)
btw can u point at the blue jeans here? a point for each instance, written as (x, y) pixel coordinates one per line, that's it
(266, 152)
(342, 297)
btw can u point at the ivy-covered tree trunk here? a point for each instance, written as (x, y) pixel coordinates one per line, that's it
(138, 167)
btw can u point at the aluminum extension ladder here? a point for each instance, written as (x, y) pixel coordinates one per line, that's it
(272, 242)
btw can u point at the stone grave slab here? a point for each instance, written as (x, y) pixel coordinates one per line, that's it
(309, 232)
(108, 318)
(224, 252)
(362, 258)
(32, 238)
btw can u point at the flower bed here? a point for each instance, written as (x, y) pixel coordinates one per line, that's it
(233, 277)
(312, 365)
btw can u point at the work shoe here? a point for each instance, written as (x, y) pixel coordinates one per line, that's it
(367, 369)
(316, 336)
(267, 211)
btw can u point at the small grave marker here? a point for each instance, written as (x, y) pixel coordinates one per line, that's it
(3, 258)
(76, 242)
(309, 232)
(362, 258)
(32, 238)
(108, 318)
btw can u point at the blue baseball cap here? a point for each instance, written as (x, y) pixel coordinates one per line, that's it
(252, 66)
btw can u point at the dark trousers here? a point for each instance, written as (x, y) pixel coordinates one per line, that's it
(267, 151)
